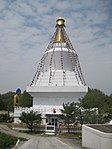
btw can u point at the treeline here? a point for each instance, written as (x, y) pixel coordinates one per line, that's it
(94, 108)
(93, 99)
(6, 100)
(97, 99)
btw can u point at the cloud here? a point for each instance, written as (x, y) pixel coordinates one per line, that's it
(26, 28)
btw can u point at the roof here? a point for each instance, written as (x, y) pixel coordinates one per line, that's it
(59, 66)
(106, 128)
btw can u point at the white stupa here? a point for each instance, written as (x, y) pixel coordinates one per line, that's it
(59, 78)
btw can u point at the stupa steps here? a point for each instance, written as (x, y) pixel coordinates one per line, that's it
(57, 77)
(57, 82)
(67, 74)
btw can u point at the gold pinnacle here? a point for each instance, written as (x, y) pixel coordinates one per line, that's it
(59, 38)
(60, 21)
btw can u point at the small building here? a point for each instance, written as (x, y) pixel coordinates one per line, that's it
(97, 136)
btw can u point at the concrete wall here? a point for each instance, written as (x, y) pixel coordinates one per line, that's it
(94, 139)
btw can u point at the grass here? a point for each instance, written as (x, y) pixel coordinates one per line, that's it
(8, 124)
(70, 135)
(61, 135)
(7, 141)
(31, 133)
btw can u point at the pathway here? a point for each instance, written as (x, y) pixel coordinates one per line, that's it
(39, 142)
(45, 143)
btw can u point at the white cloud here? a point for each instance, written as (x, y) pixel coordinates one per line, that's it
(26, 28)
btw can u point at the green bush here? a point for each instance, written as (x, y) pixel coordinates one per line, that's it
(5, 118)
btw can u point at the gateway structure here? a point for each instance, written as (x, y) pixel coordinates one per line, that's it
(58, 78)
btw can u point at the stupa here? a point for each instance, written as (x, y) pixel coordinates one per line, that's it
(58, 78)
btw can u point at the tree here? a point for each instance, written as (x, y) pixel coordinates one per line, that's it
(26, 100)
(69, 114)
(7, 99)
(89, 116)
(30, 118)
(1, 103)
(94, 99)
(4, 118)
(107, 114)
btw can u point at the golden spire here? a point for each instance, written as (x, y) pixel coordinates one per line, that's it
(59, 38)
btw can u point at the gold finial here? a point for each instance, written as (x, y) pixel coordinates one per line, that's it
(59, 38)
(60, 21)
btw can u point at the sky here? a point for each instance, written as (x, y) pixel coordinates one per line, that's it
(26, 28)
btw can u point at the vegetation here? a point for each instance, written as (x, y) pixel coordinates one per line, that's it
(73, 114)
(7, 141)
(30, 118)
(26, 100)
(71, 135)
(69, 114)
(94, 108)
(6, 100)
(96, 99)
(5, 118)
(1, 102)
